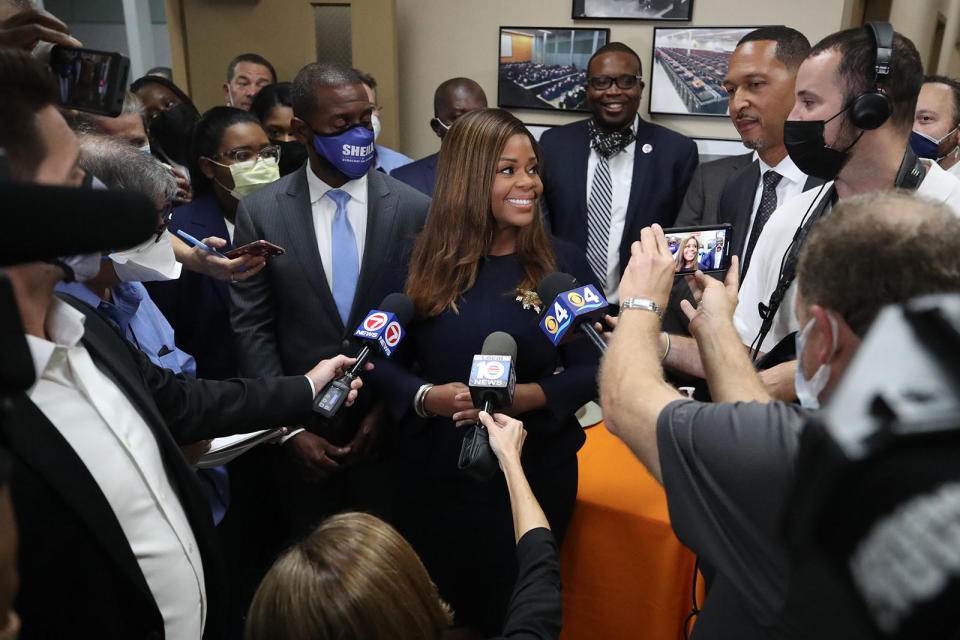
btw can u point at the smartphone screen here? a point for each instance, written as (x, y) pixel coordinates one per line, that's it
(89, 80)
(703, 248)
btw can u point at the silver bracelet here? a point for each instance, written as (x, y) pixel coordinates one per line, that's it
(641, 303)
(418, 399)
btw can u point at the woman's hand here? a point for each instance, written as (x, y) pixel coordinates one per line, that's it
(506, 437)
(526, 397)
(448, 399)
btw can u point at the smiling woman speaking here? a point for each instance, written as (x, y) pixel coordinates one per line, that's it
(481, 254)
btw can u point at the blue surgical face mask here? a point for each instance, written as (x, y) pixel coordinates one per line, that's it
(145, 148)
(350, 152)
(927, 147)
(808, 391)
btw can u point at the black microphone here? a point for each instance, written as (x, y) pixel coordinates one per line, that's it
(570, 309)
(49, 222)
(381, 329)
(493, 379)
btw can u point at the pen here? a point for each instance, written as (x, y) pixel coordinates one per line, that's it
(189, 238)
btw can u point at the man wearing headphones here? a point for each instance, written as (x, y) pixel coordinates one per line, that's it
(856, 95)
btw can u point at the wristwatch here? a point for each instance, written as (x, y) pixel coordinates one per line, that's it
(641, 303)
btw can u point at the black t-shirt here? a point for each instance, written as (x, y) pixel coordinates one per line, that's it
(727, 471)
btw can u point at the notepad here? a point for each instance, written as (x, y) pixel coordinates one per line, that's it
(223, 450)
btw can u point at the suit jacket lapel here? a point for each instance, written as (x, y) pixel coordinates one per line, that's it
(638, 185)
(41, 447)
(298, 217)
(123, 370)
(745, 189)
(381, 220)
(577, 172)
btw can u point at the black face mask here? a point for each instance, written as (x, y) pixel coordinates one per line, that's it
(810, 152)
(171, 132)
(292, 155)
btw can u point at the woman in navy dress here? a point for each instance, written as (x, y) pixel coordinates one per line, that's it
(483, 247)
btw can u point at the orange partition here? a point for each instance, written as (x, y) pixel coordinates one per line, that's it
(625, 575)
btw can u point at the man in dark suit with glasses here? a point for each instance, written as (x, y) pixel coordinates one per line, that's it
(608, 176)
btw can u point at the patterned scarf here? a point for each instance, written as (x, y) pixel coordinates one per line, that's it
(607, 144)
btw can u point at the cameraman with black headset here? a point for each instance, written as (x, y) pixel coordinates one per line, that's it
(856, 97)
(727, 467)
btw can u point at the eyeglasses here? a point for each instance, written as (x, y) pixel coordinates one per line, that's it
(165, 215)
(247, 154)
(626, 81)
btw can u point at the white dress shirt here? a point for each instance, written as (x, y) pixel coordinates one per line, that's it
(325, 208)
(230, 229)
(764, 272)
(621, 178)
(120, 451)
(791, 184)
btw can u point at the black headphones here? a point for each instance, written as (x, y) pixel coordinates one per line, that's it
(870, 109)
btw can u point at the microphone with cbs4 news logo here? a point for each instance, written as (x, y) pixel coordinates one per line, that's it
(570, 310)
(493, 380)
(381, 329)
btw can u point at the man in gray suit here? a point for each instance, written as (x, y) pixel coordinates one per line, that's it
(345, 229)
(760, 80)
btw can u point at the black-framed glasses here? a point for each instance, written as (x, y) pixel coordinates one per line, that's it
(245, 154)
(626, 81)
(165, 215)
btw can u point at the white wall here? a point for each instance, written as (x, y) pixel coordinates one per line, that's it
(441, 39)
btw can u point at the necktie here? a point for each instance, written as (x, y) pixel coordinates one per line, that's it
(768, 204)
(346, 260)
(598, 221)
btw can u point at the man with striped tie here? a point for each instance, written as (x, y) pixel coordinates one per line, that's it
(607, 177)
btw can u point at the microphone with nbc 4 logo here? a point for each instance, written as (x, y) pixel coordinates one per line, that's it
(570, 309)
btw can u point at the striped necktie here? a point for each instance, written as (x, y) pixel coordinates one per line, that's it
(598, 221)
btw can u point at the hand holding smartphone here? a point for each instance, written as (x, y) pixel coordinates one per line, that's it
(256, 248)
(89, 80)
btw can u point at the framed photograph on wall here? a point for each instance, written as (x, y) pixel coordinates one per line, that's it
(537, 129)
(632, 9)
(546, 68)
(715, 148)
(689, 65)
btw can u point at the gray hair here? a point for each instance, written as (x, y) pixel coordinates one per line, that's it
(133, 105)
(82, 122)
(121, 166)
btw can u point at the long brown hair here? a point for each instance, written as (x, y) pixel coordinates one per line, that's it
(353, 578)
(460, 228)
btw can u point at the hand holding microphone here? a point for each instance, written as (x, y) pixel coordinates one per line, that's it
(381, 329)
(493, 380)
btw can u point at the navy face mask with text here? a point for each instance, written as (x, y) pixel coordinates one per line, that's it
(351, 152)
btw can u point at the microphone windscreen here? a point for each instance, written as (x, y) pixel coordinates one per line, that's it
(399, 305)
(43, 222)
(553, 285)
(500, 343)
